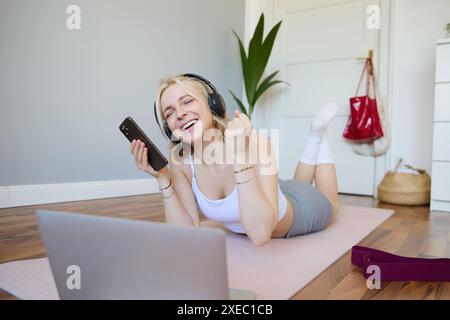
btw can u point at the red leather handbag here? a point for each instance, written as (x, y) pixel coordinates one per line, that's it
(364, 124)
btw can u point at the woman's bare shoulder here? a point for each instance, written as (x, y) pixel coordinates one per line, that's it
(181, 165)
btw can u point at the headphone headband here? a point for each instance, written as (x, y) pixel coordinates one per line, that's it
(196, 76)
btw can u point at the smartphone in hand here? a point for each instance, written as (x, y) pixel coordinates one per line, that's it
(132, 131)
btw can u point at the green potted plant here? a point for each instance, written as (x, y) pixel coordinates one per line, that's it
(254, 63)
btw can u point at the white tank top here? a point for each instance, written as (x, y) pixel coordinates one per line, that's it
(226, 210)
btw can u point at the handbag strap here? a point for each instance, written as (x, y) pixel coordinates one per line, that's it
(372, 77)
(368, 66)
(360, 79)
(398, 268)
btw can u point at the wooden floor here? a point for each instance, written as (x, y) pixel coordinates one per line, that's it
(411, 231)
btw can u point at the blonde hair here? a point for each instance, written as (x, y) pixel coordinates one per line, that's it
(195, 88)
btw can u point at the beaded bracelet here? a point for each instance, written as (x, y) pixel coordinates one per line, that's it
(243, 169)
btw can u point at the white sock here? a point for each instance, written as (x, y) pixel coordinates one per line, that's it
(324, 155)
(316, 132)
(311, 150)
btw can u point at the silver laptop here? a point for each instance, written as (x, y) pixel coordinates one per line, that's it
(95, 257)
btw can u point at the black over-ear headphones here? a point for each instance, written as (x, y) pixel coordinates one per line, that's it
(215, 102)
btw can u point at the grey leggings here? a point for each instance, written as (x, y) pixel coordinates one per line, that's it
(312, 210)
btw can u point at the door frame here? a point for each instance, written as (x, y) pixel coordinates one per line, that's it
(383, 60)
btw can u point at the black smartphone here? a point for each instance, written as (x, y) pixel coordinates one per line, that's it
(132, 131)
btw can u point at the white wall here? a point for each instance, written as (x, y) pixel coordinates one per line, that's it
(417, 26)
(64, 93)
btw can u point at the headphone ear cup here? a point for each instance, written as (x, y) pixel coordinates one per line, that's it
(221, 106)
(216, 104)
(212, 102)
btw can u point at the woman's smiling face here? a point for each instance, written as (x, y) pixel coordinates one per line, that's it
(187, 116)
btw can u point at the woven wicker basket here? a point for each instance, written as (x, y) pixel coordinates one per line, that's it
(405, 188)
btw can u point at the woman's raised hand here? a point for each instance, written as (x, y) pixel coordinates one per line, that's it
(140, 154)
(237, 133)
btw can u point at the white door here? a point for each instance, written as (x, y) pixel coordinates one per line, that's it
(315, 52)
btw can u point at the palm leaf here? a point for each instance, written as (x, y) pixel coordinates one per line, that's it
(257, 39)
(267, 86)
(254, 63)
(253, 54)
(245, 66)
(261, 87)
(265, 50)
(242, 52)
(240, 104)
(258, 57)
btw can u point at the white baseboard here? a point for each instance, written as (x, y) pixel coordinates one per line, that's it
(4, 197)
(437, 205)
(26, 195)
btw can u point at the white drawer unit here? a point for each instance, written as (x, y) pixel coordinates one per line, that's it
(443, 62)
(442, 102)
(441, 179)
(440, 171)
(441, 141)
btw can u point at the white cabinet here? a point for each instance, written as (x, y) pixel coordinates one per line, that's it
(442, 102)
(441, 141)
(440, 171)
(443, 61)
(441, 177)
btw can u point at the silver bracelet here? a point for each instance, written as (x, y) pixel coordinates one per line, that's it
(170, 184)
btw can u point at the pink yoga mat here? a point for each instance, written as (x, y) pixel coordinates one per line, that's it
(276, 270)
